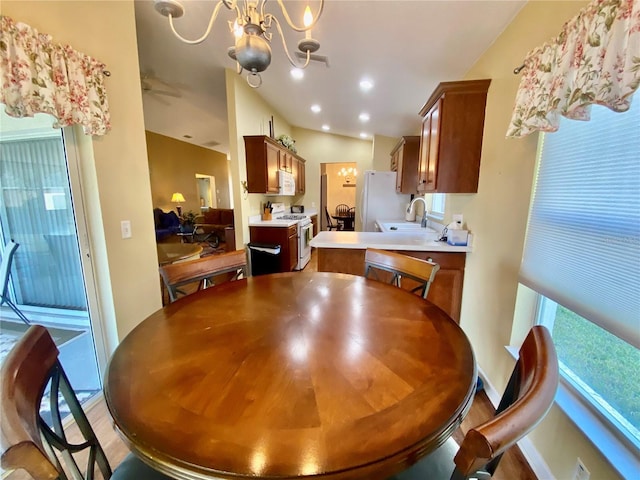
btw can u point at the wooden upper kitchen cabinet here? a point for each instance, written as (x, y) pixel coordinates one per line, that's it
(297, 170)
(404, 160)
(451, 139)
(265, 157)
(286, 237)
(263, 163)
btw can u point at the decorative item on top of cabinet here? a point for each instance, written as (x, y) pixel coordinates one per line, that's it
(264, 158)
(451, 140)
(404, 160)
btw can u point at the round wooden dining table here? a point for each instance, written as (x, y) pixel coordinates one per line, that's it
(291, 375)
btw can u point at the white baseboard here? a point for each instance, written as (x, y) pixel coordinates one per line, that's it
(531, 454)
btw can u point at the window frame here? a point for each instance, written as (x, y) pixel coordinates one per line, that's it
(546, 315)
(603, 432)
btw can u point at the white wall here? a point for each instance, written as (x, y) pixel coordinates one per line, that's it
(497, 215)
(113, 166)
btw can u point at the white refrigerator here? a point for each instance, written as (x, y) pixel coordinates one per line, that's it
(379, 200)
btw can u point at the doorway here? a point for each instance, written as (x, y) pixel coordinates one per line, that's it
(337, 186)
(41, 210)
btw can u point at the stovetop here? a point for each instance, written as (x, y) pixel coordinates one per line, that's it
(291, 217)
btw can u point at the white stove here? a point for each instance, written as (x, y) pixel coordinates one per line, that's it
(305, 234)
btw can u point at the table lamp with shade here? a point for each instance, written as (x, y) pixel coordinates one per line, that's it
(178, 198)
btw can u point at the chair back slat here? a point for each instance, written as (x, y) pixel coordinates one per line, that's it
(527, 399)
(342, 209)
(30, 366)
(177, 274)
(400, 266)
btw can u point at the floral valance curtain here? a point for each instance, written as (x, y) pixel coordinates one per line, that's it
(39, 76)
(595, 59)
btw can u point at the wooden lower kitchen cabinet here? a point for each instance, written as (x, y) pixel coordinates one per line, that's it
(286, 237)
(314, 222)
(445, 291)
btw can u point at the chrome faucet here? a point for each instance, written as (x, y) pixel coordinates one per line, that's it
(423, 222)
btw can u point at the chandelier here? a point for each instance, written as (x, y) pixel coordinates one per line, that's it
(250, 28)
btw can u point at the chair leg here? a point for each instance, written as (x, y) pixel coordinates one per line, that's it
(15, 309)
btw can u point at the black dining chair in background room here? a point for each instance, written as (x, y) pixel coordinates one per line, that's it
(330, 224)
(42, 446)
(5, 272)
(525, 402)
(342, 210)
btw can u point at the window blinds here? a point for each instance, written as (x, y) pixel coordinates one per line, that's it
(582, 247)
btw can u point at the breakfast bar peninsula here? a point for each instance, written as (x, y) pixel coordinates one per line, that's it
(343, 252)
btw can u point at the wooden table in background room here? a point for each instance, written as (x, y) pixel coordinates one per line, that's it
(291, 375)
(347, 221)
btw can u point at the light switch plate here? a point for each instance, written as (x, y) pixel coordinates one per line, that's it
(125, 228)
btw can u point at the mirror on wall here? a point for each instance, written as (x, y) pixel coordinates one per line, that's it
(206, 191)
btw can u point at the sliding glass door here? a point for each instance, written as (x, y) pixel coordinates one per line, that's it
(40, 212)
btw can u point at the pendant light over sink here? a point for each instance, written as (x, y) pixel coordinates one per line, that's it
(252, 50)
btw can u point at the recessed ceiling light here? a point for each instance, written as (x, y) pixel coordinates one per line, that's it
(366, 84)
(316, 108)
(364, 117)
(326, 128)
(363, 135)
(297, 73)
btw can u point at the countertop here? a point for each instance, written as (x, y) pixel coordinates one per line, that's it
(421, 241)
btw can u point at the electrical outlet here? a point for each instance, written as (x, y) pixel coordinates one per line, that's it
(581, 472)
(125, 228)
(457, 218)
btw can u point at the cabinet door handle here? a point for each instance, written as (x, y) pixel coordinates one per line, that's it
(430, 260)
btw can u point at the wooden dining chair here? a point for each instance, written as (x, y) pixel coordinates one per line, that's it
(5, 271)
(204, 271)
(400, 266)
(525, 402)
(330, 224)
(28, 442)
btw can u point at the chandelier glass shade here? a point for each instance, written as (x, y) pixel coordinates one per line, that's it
(251, 29)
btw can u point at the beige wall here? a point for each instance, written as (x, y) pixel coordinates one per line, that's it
(173, 166)
(115, 174)
(497, 215)
(382, 147)
(248, 114)
(320, 147)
